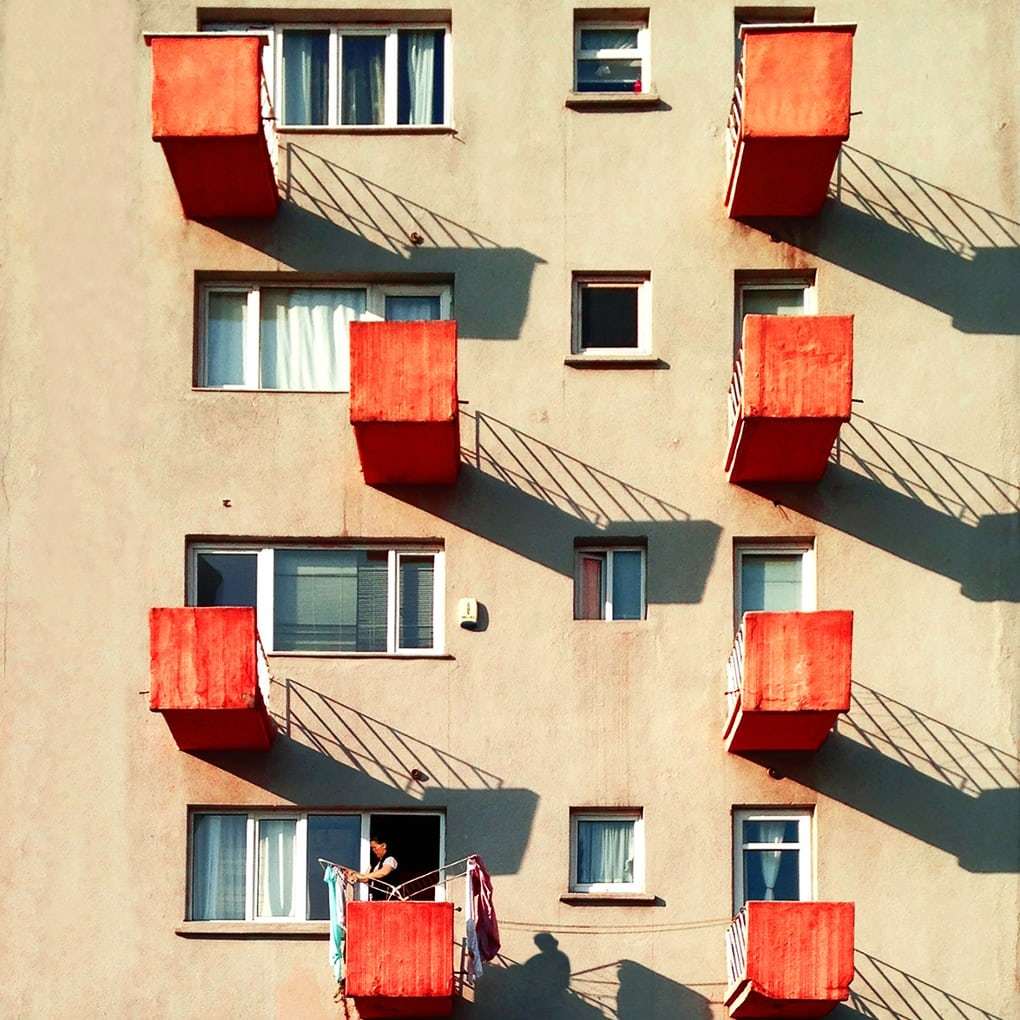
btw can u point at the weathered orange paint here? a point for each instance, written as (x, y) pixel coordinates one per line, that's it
(796, 680)
(798, 381)
(203, 665)
(400, 958)
(404, 401)
(800, 960)
(207, 114)
(795, 117)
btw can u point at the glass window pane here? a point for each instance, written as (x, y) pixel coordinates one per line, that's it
(226, 579)
(605, 852)
(773, 301)
(771, 583)
(224, 338)
(420, 57)
(591, 586)
(613, 75)
(330, 600)
(609, 38)
(771, 831)
(771, 875)
(219, 844)
(609, 317)
(412, 308)
(627, 585)
(275, 893)
(416, 600)
(304, 337)
(363, 58)
(305, 77)
(337, 838)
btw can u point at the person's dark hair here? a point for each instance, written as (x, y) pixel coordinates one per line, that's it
(379, 837)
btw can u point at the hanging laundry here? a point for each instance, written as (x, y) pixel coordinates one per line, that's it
(336, 885)
(480, 916)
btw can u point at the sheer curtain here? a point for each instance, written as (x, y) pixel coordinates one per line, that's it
(276, 867)
(771, 832)
(305, 77)
(605, 852)
(364, 61)
(218, 863)
(421, 69)
(304, 337)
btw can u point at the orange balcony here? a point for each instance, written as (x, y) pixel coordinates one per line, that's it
(209, 678)
(790, 393)
(789, 959)
(789, 116)
(400, 958)
(404, 401)
(787, 679)
(211, 113)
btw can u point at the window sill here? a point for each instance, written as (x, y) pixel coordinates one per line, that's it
(255, 389)
(614, 361)
(579, 899)
(609, 101)
(446, 656)
(253, 929)
(368, 129)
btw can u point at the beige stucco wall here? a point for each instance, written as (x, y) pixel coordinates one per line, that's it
(109, 459)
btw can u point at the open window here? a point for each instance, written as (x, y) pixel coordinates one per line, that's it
(609, 583)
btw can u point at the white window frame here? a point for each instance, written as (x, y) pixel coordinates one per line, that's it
(807, 283)
(643, 51)
(254, 816)
(375, 311)
(265, 585)
(635, 815)
(389, 30)
(805, 845)
(808, 582)
(609, 552)
(642, 283)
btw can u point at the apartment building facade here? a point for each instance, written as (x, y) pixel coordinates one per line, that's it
(487, 429)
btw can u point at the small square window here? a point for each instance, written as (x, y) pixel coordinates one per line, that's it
(771, 855)
(774, 577)
(611, 56)
(612, 315)
(607, 851)
(609, 584)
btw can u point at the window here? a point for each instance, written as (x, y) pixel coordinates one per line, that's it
(612, 314)
(264, 866)
(611, 56)
(261, 337)
(758, 294)
(771, 855)
(362, 75)
(326, 599)
(607, 851)
(775, 577)
(609, 584)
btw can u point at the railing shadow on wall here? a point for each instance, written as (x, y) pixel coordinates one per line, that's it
(527, 496)
(922, 776)
(881, 991)
(920, 504)
(904, 232)
(334, 222)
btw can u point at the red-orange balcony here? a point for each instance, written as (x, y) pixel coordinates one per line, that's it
(212, 115)
(209, 678)
(789, 116)
(787, 679)
(404, 401)
(789, 959)
(400, 958)
(789, 395)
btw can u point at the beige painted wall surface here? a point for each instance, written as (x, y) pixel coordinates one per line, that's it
(110, 459)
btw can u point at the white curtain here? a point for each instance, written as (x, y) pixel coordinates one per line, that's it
(364, 61)
(304, 337)
(605, 852)
(276, 867)
(771, 832)
(305, 76)
(218, 867)
(421, 63)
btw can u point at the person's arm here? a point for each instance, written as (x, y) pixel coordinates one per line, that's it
(384, 869)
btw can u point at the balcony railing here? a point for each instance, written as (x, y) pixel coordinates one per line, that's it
(735, 397)
(734, 119)
(735, 672)
(736, 948)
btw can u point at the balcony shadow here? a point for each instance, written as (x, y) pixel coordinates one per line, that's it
(335, 223)
(544, 988)
(924, 777)
(920, 504)
(906, 233)
(517, 491)
(330, 754)
(881, 991)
